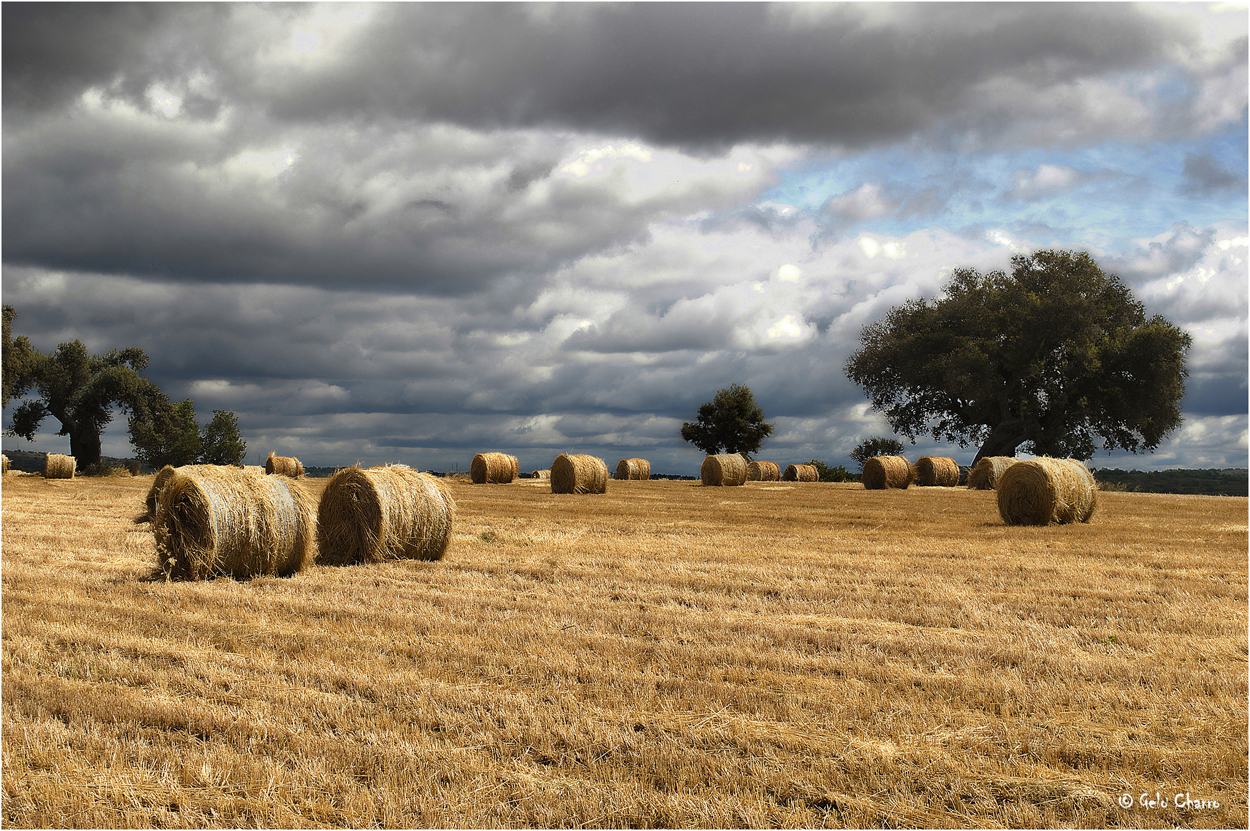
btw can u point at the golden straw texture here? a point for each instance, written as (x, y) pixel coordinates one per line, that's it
(937, 471)
(633, 469)
(541, 474)
(726, 469)
(5, 462)
(573, 473)
(882, 472)
(383, 513)
(218, 520)
(763, 472)
(801, 473)
(985, 474)
(1044, 491)
(494, 469)
(284, 466)
(56, 466)
(149, 504)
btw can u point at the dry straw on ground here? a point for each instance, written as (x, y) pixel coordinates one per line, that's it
(986, 473)
(633, 469)
(56, 466)
(541, 474)
(154, 492)
(284, 466)
(801, 473)
(383, 513)
(217, 520)
(494, 469)
(725, 469)
(574, 473)
(763, 472)
(1044, 491)
(882, 472)
(937, 471)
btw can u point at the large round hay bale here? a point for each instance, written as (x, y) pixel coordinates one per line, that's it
(726, 469)
(937, 472)
(494, 469)
(284, 466)
(801, 473)
(633, 469)
(985, 474)
(56, 466)
(541, 474)
(219, 520)
(763, 472)
(370, 515)
(574, 473)
(882, 472)
(1046, 490)
(149, 504)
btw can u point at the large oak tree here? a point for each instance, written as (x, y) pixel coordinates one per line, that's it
(1055, 356)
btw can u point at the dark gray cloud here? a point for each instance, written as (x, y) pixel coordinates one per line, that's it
(1205, 176)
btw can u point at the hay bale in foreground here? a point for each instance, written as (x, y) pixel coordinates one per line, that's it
(154, 492)
(383, 513)
(494, 469)
(284, 466)
(726, 469)
(633, 469)
(56, 466)
(541, 474)
(763, 472)
(574, 473)
(801, 473)
(937, 472)
(219, 520)
(985, 474)
(882, 472)
(1045, 491)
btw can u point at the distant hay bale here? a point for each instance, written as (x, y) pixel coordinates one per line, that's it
(1045, 491)
(986, 473)
(633, 469)
(56, 466)
(726, 469)
(937, 472)
(4, 461)
(801, 473)
(541, 474)
(494, 469)
(383, 513)
(882, 472)
(284, 466)
(763, 472)
(220, 520)
(574, 473)
(154, 492)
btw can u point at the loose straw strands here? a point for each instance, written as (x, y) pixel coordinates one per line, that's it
(726, 469)
(801, 473)
(763, 472)
(154, 492)
(494, 469)
(937, 471)
(882, 472)
(56, 466)
(383, 513)
(574, 473)
(284, 466)
(1044, 491)
(633, 469)
(986, 473)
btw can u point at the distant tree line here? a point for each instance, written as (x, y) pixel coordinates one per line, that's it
(1227, 482)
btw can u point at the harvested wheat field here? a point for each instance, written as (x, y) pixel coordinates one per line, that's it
(661, 655)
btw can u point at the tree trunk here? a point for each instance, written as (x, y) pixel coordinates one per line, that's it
(85, 445)
(1006, 437)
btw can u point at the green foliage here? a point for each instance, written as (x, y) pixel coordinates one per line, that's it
(1055, 357)
(833, 474)
(729, 423)
(220, 441)
(875, 446)
(17, 360)
(164, 433)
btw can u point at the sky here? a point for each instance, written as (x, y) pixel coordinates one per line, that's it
(415, 232)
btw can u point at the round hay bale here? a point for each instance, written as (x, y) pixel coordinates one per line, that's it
(494, 469)
(763, 472)
(801, 473)
(937, 472)
(383, 513)
(541, 474)
(985, 474)
(284, 466)
(633, 469)
(4, 460)
(1045, 491)
(882, 472)
(149, 505)
(219, 520)
(726, 469)
(573, 473)
(56, 466)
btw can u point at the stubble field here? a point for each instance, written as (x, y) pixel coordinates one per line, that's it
(663, 655)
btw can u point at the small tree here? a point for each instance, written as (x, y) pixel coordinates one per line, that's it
(729, 423)
(832, 474)
(220, 441)
(875, 446)
(164, 433)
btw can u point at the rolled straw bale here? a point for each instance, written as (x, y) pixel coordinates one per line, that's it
(541, 474)
(763, 472)
(726, 469)
(284, 466)
(494, 469)
(1046, 490)
(154, 492)
(574, 473)
(801, 473)
(937, 472)
(56, 466)
(882, 472)
(4, 460)
(218, 520)
(633, 469)
(383, 513)
(986, 473)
